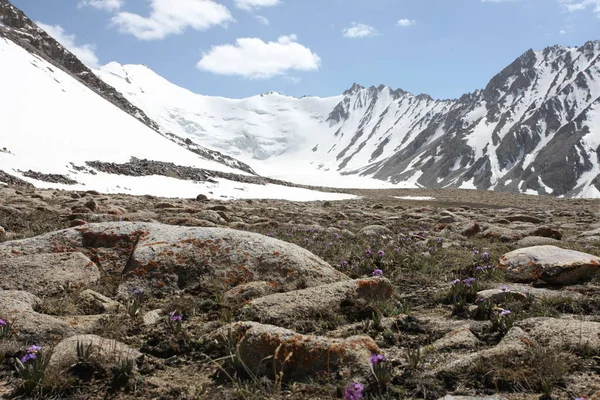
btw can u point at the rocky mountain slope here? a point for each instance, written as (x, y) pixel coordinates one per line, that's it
(63, 127)
(534, 129)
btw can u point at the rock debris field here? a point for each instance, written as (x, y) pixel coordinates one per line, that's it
(468, 295)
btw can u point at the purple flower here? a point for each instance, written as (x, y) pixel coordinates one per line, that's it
(479, 300)
(504, 288)
(270, 234)
(581, 398)
(505, 312)
(28, 357)
(380, 253)
(368, 252)
(475, 252)
(454, 282)
(34, 349)
(378, 273)
(138, 292)
(439, 240)
(377, 359)
(479, 268)
(469, 281)
(173, 317)
(31, 354)
(485, 255)
(396, 250)
(343, 263)
(354, 391)
(3, 322)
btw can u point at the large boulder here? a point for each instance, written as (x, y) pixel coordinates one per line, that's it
(294, 307)
(550, 264)
(170, 257)
(46, 273)
(309, 356)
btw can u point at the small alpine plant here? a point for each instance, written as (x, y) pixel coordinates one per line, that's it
(31, 368)
(5, 329)
(174, 320)
(381, 369)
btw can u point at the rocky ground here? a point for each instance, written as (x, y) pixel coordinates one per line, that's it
(479, 294)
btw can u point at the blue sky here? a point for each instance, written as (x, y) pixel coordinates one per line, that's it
(240, 48)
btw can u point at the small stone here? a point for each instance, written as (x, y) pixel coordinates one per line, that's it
(152, 317)
(470, 228)
(99, 301)
(91, 204)
(201, 197)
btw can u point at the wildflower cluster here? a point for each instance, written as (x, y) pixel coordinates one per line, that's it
(354, 391)
(462, 292)
(31, 368)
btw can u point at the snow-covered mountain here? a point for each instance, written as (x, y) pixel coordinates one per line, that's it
(61, 126)
(534, 129)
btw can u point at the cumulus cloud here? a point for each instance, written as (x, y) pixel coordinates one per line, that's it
(579, 5)
(108, 5)
(169, 17)
(359, 31)
(405, 23)
(253, 58)
(86, 53)
(250, 5)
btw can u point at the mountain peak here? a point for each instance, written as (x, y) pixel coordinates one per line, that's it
(353, 89)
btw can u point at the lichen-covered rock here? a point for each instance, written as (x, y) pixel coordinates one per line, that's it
(297, 306)
(97, 301)
(550, 264)
(311, 357)
(107, 351)
(44, 273)
(522, 292)
(167, 257)
(17, 307)
(461, 338)
(375, 230)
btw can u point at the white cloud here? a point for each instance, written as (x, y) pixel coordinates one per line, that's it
(262, 20)
(252, 58)
(359, 31)
(498, 1)
(108, 5)
(169, 17)
(250, 5)
(563, 32)
(405, 23)
(579, 5)
(86, 53)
